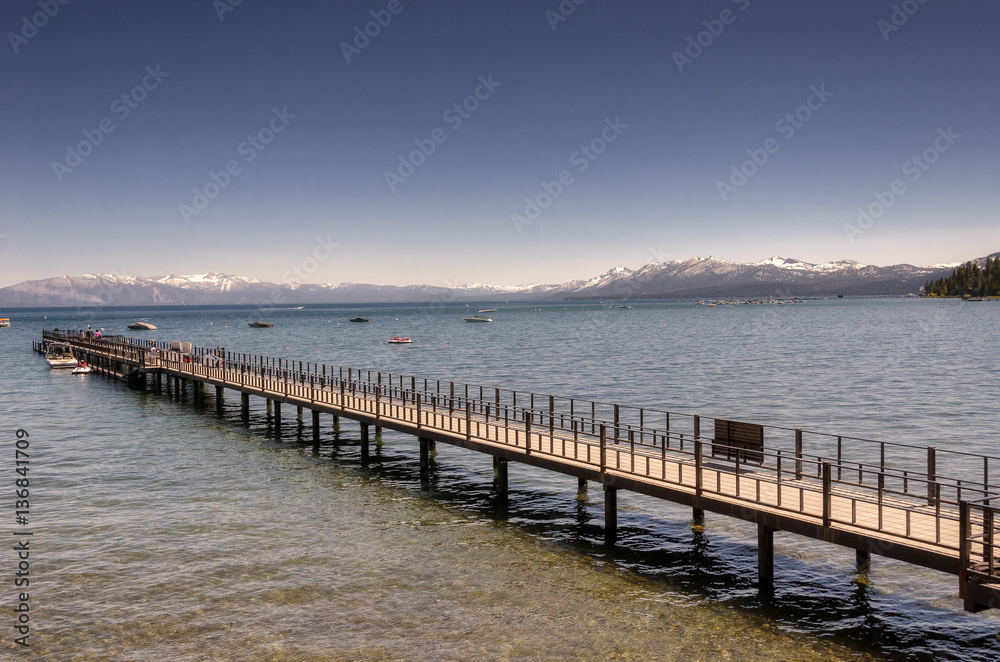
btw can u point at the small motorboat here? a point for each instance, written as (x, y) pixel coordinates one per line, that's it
(488, 310)
(360, 318)
(260, 325)
(4, 322)
(82, 369)
(60, 356)
(142, 325)
(626, 307)
(396, 340)
(477, 318)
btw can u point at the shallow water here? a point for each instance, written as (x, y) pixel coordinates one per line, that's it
(164, 531)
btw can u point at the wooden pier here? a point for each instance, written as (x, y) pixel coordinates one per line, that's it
(919, 505)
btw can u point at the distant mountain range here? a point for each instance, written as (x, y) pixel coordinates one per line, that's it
(695, 277)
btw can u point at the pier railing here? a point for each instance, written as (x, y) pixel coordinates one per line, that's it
(897, 490)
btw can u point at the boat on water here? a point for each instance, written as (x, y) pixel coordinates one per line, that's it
(360, 318)
(625, 307)
(260, 325)
(82, 369)
(396, 340)
(4, 321)
(59, 355)
(142, 325)
(477, 318)
(488, 310)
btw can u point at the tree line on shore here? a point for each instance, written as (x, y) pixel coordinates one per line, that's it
(968, 280)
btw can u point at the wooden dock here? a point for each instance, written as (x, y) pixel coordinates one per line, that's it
(919, 505)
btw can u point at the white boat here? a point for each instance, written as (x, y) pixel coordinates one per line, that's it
(82, 369)
(477, 318)
(488, 310)
(60, 356)
(4, 321)
(142, 325)
(396, 340)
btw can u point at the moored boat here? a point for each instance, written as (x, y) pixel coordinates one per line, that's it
(477, 318)
(59, 355)
(260, 325)
(396, 340)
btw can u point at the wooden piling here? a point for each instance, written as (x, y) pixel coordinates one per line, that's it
(610, 514)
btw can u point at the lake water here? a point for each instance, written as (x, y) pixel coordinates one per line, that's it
(165, 531)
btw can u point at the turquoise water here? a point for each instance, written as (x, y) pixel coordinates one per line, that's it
(165, 531)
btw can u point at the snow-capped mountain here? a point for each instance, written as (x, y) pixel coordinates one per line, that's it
(694, 277)
(710, 276)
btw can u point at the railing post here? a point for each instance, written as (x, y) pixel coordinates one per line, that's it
(699, 455)
(468, 420)
(964, 530)
(931, 473)
(451, 398)
(527, 433)
(881, 489)
(551, 418)
(798, 453)
(417, 397)
(827, 493)
(617, 432)
(604, 451)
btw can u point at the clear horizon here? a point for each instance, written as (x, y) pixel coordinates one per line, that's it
(397, 143)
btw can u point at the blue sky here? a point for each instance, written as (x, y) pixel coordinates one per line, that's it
(540, 141)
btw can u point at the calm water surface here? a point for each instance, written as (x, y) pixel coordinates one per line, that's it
(165, 531)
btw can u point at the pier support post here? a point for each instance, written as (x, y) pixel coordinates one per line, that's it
(245, 407)
(698, 515)
(198, 391)
(378, 433)
(218, 398)
(425, 457)
(863, 559)
(581, 488)
(500, 470)
(336, 424)
(298, 413)
(610, 515)
(364, 443)
(765, 556)
(315, 426)
(277, 418)
(158, 386)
